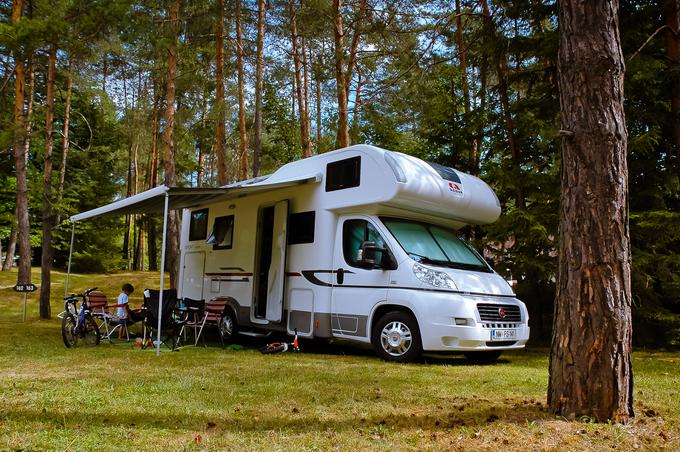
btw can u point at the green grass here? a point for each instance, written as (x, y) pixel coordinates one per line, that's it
(114, 397)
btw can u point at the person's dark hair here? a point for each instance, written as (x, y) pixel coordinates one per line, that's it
(127, 287)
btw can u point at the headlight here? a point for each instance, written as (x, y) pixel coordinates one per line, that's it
(433, 277)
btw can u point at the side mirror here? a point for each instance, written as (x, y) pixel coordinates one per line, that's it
(373, 256)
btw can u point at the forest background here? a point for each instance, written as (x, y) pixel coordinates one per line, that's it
(224, 90)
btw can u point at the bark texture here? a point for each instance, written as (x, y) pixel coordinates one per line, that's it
(219, 95)
(257, 123)
(21, 158)
(671, 13)
(590, 366)
(243, 136)
(47, 211)
(342, 138)
(65, 144)
(304, 115)
(172, 254)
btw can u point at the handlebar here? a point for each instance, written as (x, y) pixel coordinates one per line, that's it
(73, 296)
(89, 291)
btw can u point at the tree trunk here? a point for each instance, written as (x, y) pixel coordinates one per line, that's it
(152, 176)
(462, 54)
(671, 12)
(243, 136)
(590, 363)
(357, 107)
(304, 132)
(65, 144)
(201, 142)
(172, 254)
(317, 77)
(257, 133)
(307, 144)
(342, 138)
(21, 158)
(222, 171)
(47, 213)
(499, 58)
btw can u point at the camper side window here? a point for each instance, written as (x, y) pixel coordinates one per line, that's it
(301, 228)
(198, 225)
(354, 233)
(222, 235)
(343, 174)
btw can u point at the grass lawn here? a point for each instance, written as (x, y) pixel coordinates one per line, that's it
(114, 397)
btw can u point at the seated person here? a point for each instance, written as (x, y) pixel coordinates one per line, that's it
(124, 311)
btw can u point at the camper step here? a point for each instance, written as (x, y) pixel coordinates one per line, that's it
(255, 333)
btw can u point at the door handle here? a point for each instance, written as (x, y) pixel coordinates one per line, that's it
(340, 273)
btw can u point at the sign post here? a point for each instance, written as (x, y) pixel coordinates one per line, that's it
(25, 288)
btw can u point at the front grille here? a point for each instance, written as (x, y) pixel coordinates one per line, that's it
(492, 312)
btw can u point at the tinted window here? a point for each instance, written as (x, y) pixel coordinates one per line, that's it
(354, 233)
(445, 172)
(222, 234)
(198, 227)
(343, 174)
(301, 228)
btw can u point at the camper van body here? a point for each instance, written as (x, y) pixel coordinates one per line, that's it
(325, 247)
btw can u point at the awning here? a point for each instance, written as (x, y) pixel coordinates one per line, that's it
(153, 200)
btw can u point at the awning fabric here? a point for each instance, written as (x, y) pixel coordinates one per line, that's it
(153, 200)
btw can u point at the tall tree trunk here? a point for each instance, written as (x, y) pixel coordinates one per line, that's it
(257, 133)
(21, 158)
(317, 77)
(201, 142)
(172, 254)
(47, 211)
(671, 13)
(304, 132)
(590, 362)
(152, 176)
(499, 57)
(65, 144)
(222, 171)
(462, 54)
(243, 136)
(305, 84)
(342, 137)
(357, 107)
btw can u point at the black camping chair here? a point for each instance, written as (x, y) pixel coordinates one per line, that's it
(170, 325)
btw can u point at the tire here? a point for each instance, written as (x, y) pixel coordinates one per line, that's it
(270, 349)
(68, 333)
(227, 326)
(90, 331)
(396, 337)
(483, 357)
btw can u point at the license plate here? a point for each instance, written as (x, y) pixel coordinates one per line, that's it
(503, 335)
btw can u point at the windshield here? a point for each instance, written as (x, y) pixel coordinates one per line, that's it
(435, 245)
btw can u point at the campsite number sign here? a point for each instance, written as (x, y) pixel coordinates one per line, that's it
(25, 288)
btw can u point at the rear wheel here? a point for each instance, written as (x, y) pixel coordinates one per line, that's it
(483, 357)
(68, 330)
(90, 331)
(396, 337)
(227, 326)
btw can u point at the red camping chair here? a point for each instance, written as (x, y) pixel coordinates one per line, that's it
(99, 307)
(212, 315)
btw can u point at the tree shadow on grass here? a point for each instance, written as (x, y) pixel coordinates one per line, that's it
(293, 422)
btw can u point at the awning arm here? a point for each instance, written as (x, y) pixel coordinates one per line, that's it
(70, 255)
(160, 296)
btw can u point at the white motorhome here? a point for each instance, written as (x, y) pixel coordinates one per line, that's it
(357, 244)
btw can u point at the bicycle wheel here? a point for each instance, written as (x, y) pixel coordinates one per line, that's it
(68, 330)
(276, 347)
(90, 331)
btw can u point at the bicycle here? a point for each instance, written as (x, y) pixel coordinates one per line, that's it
(78, 323)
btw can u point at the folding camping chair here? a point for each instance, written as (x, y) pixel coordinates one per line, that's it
(170, 326)
(192, 315)
(212, 315)
(99, 307)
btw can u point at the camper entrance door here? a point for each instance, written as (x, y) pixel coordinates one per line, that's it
(270, 263)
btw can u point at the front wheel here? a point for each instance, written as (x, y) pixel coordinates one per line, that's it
(396, 337)
(90, 331)
(68, 330)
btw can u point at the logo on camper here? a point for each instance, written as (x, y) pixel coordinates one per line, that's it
(501, 313)
(456, 188)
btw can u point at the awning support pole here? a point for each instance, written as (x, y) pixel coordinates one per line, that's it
(70, 255)
(160, 292)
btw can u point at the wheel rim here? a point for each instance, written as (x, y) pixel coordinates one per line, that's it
(396, 338)
(226, 326)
